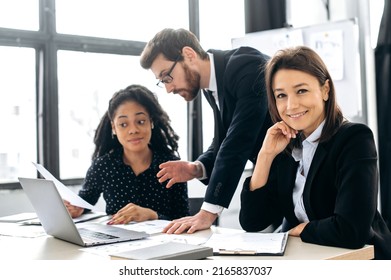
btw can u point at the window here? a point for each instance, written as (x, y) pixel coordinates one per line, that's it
(84, 93)
(18, 145)
(231, 23)
(19, 14)
(69, 70)
(120, 19)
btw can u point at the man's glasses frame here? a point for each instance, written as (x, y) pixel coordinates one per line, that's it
(167, 77)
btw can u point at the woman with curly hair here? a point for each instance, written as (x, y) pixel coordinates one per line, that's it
(132, 139)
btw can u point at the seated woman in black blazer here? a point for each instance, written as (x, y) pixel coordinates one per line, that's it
(315, 171)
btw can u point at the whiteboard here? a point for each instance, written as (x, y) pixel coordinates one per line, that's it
(338, 45)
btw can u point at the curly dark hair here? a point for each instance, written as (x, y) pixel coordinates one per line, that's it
(163, 137)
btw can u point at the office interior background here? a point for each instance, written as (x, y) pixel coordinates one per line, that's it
(61, 61)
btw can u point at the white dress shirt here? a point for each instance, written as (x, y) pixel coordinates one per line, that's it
(212, 208)
(304, 156)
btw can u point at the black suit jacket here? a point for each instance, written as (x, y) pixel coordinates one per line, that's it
(340, 194)
(244, 121)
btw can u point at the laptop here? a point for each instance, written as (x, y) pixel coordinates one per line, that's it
(57, 222)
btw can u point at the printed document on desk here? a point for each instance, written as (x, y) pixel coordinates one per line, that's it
(150, 226)
(248, 243)
(20, 217)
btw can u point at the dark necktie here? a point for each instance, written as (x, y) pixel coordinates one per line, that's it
(218, 128)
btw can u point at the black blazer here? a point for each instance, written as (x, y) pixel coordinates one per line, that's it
(244, 121)
(340, 194)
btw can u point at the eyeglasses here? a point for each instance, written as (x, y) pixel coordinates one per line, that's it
(167, 78)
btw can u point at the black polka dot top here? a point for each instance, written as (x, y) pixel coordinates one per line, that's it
(110, 176)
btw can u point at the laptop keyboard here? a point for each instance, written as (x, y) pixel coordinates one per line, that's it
(95, 235)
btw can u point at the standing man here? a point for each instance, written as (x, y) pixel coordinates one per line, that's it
(233, 83)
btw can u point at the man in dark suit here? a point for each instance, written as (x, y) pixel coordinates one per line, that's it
(233, 83)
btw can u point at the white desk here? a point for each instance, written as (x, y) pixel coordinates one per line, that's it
(49, 248)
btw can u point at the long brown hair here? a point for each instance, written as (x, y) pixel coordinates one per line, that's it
(306, 60)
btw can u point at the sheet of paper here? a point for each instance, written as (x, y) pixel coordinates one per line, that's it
(16, 230)
(64, 191)
(150, 227)
(18, 217)
(157, 226)
(183, 238)
(329, 46)
(109, 249)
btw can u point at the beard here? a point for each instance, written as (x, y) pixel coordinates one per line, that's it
(193, 80)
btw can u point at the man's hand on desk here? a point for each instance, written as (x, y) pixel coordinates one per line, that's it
(202, 220)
